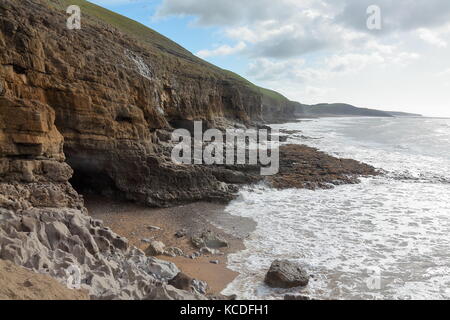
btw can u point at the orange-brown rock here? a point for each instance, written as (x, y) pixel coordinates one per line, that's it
(99, 97)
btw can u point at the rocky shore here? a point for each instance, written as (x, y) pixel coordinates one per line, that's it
(90, 112)
(305, 167)
(175, 228)
(46, 228)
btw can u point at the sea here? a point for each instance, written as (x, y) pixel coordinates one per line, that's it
(387, 237)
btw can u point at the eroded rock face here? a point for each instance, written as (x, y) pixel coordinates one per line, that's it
(109, 102)
(54, 241)
(97, 106)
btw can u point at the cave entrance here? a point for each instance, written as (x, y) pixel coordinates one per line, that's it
(90, 176)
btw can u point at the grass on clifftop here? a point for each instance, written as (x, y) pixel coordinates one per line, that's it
(124, 24)
(165, 45)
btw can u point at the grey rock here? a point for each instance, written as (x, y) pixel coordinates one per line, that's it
(184, 282)
(163, 270)
(199, 286)
(285, 274)
(208, 251)
(173, 252)
(209, 239)
(181, 233)
(54, 240)
(214, 261)
(181, 281)
(155, 248)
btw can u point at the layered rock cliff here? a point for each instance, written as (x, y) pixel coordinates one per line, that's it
(93, 109)
(100, 99)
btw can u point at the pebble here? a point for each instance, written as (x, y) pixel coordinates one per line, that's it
(154, 228)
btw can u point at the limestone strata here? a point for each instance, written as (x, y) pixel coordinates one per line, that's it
(105, 101)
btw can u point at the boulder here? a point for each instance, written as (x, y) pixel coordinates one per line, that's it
(163, 270)
(173, 252)
(208, 251)
(181, 281)
(186, 283)
(155, 248)
(286, 274)
(210, 240)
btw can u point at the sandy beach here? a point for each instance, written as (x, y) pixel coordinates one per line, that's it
(136, 223)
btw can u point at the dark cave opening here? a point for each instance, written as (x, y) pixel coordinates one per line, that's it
(90, 176)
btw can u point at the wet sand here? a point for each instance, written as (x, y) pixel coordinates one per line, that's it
(135, 222)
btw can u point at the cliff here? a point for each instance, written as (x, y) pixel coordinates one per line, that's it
(93, 109)
(101, 101)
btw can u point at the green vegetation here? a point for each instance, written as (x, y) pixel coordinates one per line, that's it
(164, 45)
(124, 24)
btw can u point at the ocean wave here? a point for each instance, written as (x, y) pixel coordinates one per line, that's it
(397, 223)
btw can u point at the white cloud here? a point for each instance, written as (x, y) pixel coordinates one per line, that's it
(222, 50)
(304, 47)
(445, 73)
(318, 93)
(431, 37)
(353, 62)
(264, 69)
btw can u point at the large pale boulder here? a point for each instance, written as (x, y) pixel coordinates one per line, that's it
(155, 248)
(162, 270)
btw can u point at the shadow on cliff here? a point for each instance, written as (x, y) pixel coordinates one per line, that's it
(89, 176)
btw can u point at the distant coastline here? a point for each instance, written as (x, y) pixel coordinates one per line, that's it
(343, 109)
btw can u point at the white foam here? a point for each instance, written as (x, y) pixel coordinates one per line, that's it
(398, 225)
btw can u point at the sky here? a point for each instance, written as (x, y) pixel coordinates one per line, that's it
(383, 54)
